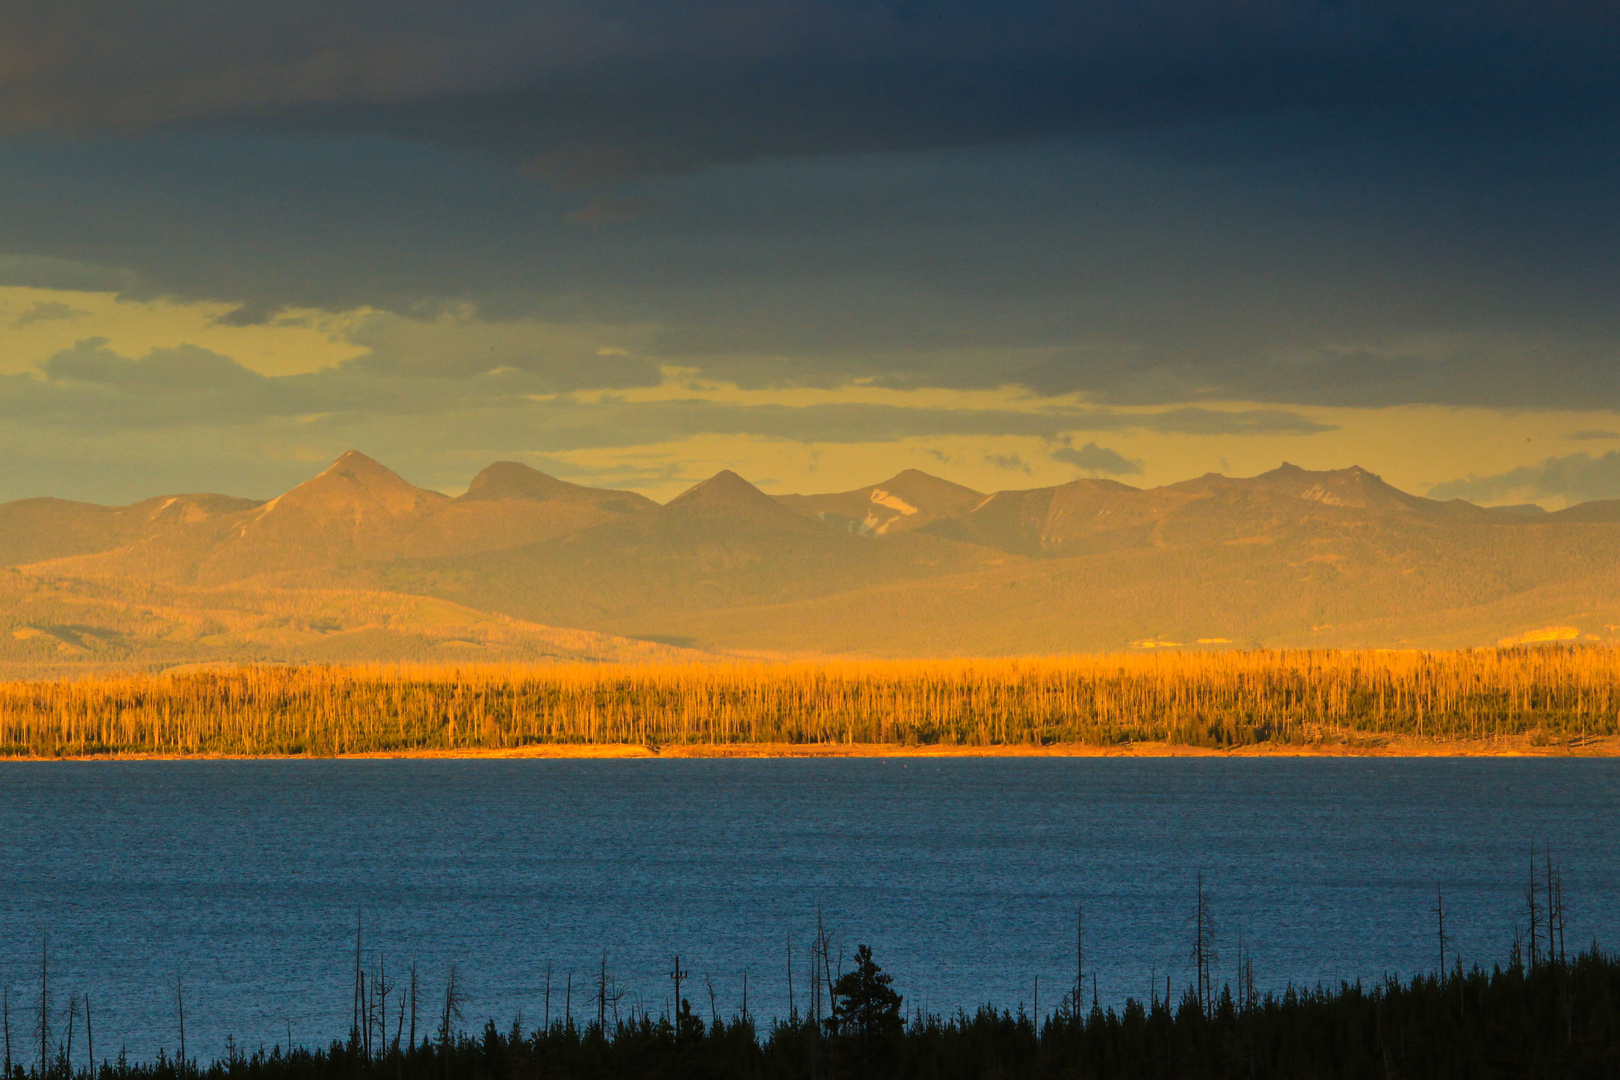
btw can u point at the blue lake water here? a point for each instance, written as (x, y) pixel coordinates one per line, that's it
(244, 878)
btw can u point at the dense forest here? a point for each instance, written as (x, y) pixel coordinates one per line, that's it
(1563, 696)
(1553, 1015)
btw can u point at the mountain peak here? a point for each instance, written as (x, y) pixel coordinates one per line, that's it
(353, 483)
(928, 486)
(355, 467)
(355, 461)
(916, 475)
(907, 500)
(1353, 486)
(515, 480)
(725, 490)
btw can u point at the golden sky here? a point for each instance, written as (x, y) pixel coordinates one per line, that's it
(1414, 447)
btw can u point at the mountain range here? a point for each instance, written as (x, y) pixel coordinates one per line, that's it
(358, 564)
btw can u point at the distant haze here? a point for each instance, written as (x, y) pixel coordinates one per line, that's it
(358, 564)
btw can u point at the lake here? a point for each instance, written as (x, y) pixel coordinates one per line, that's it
(244, 879)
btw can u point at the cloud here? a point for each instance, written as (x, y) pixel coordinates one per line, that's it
(1095, 459)
(587, 91)
(91, 386)
(1495, 369)
(42, 271)
(48, 311)
(629, 424)
(1134, 280)
(1574, 478)
(549, 357)
(1145, 203)
(1592, 435)
(1197, 421)
(1008, 463)
(187, 369)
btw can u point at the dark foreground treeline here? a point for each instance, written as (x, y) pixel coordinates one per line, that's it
(1555, 1018)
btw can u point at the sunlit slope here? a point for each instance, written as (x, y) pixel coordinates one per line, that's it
(48, 622)
(1289, 557)
(355, 513)
(1360, 587)
(32, 530)
(1089, 516)
(723, 544)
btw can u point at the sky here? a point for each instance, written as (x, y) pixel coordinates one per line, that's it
(814, 241)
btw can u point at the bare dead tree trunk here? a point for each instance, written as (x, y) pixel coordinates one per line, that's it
(1555, 909)
(67, 1050)
(363, 1016)
(1079, 955)
(1440, 927)
(1203, 954)
(180, 1005)
(824, 947)
(44, 1005)
(89, 1037)
(382, 1003)
(354, 1026)
(815, 983)
(815, 998)
(1555, 942)
(399, 1026)
(1534, 910)
(452, 1012)
(601, 996)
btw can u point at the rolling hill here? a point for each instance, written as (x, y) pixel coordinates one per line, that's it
(357, 563)
(52, 625)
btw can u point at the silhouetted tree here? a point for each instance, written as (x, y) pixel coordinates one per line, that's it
(866, 1012)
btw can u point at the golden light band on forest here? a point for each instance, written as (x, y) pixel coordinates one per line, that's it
(1484, 701)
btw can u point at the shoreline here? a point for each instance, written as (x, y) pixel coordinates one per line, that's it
(1515, 747)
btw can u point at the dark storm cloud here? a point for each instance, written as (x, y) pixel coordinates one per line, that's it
(1139, 282)
(586, 91)
(1340, 203)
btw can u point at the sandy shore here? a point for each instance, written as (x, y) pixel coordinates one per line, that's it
(1384, 747)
